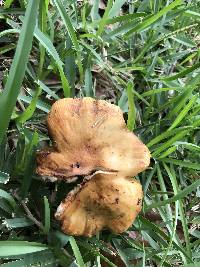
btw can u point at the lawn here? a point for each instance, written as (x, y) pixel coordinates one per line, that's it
(141, 55)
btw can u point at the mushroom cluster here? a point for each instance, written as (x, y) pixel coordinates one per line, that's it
(90, 139)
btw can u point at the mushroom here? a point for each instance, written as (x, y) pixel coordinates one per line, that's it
(90, 135)
(107, 201)
(90, 139)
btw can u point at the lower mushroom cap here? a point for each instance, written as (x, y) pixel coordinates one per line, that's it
(107, 201)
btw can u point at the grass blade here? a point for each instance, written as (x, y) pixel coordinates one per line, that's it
(8, 197)
(180, 195)
(181, 163)
(115, 10)
(4, 177)
(147, 22)
(170, 142)
(11, 248)
(131, 107)
(71, 33)
(43, 9)
(28, 113)
(48, 45)
(29, 164)
(17, 223)
(183, 113)
(3, 33)
(182, 73)
(157, 230)
(76, 251)
(88, 87)
(103, 21)
(13, 85)
(8, 3)
(46, 215)
(181, 210)
(47, 90)
(164, 135)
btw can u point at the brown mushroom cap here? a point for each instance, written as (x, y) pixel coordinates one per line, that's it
(90, 135)
(107, 201)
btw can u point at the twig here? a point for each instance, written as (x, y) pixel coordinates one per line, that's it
(28, 212)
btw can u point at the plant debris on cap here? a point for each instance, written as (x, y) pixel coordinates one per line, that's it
(107, 201)
(90, 139)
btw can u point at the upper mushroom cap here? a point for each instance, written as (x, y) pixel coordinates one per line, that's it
(90, 135)
(107, 201)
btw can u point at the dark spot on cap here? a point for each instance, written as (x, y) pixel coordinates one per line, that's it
(75, 165)
(95, 107)
(139, 201)
(44, 154)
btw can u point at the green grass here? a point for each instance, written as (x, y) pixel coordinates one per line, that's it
(142, 56)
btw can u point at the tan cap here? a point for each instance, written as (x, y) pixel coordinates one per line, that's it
(90, 135)
(107, 201)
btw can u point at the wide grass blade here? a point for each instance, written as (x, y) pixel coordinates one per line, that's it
(8, 3)
(13, 85)
(88, 87)
(3, 33)
(46, 215)
(76, 251)
(29, 164)
(4, 177)
(39, 258)
(17, 223)
(11, 248)
(8, 197)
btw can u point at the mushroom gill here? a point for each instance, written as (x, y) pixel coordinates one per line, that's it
(90, 139)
